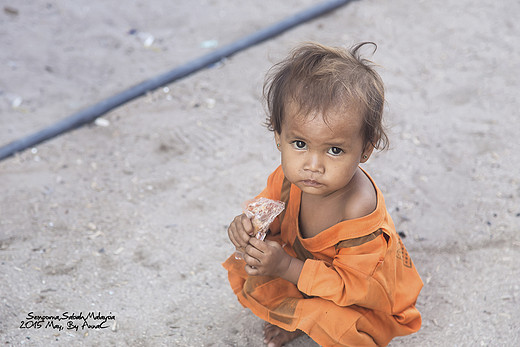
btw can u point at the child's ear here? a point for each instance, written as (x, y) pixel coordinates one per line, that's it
(277, 139)
(366, 153)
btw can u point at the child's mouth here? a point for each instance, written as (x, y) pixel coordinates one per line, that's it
(311, 183)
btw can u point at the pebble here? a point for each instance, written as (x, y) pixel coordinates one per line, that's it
(102, 122)
(210, 103)
(17, 102)
(10, 11)
(96, 234)
(209, 44)
(147, 38)
(149, 41)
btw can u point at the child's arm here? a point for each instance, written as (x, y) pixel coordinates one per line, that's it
(360, 275)
(269, 259)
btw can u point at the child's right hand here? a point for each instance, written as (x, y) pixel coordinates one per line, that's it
(240, 231)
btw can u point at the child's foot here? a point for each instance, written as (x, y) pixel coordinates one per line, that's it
(275, 336)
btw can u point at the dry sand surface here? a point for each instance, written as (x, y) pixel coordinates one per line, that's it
(128, 218)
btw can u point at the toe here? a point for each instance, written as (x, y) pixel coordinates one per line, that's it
(270, 331)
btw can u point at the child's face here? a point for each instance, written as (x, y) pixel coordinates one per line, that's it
(321, 158)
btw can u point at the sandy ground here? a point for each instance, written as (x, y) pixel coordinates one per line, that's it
(128, 218)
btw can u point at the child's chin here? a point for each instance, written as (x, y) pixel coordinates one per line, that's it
(321, 190)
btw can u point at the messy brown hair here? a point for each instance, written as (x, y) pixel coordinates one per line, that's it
(317, 78)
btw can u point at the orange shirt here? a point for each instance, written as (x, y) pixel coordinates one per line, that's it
(358, 285)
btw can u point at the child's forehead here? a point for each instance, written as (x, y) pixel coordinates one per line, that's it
(330, 129)
(337, 118)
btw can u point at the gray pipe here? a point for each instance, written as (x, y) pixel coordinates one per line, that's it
(91, 113)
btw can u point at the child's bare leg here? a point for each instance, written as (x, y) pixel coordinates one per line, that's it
(275, 336)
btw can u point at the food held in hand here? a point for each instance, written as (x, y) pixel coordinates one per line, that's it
(262, 212)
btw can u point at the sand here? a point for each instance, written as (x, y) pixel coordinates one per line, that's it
(128, 218)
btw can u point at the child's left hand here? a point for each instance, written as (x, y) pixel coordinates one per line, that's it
(265, 258)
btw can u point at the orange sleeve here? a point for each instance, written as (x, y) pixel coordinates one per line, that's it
(273, 191)
(274, 185)
(349, 280)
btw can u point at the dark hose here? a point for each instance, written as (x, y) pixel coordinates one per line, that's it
(91, 113)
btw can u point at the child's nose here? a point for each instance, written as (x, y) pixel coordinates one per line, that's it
(313, 163)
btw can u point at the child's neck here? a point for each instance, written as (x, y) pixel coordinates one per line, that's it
(318, 212)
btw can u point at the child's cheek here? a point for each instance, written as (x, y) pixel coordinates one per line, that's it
(291, 165)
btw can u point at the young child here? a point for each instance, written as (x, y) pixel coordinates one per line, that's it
(332, 266)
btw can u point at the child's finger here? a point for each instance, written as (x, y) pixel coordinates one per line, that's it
(272, 244)
(252, 251)
(234, 235)
(247, 225)
(231, 235)
(240, 235)
(252, 271)
(258, 244)
(250, 260)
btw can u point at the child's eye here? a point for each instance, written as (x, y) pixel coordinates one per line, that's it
(299, 144)
(335, 151)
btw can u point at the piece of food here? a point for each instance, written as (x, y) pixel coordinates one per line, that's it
(262, 212)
